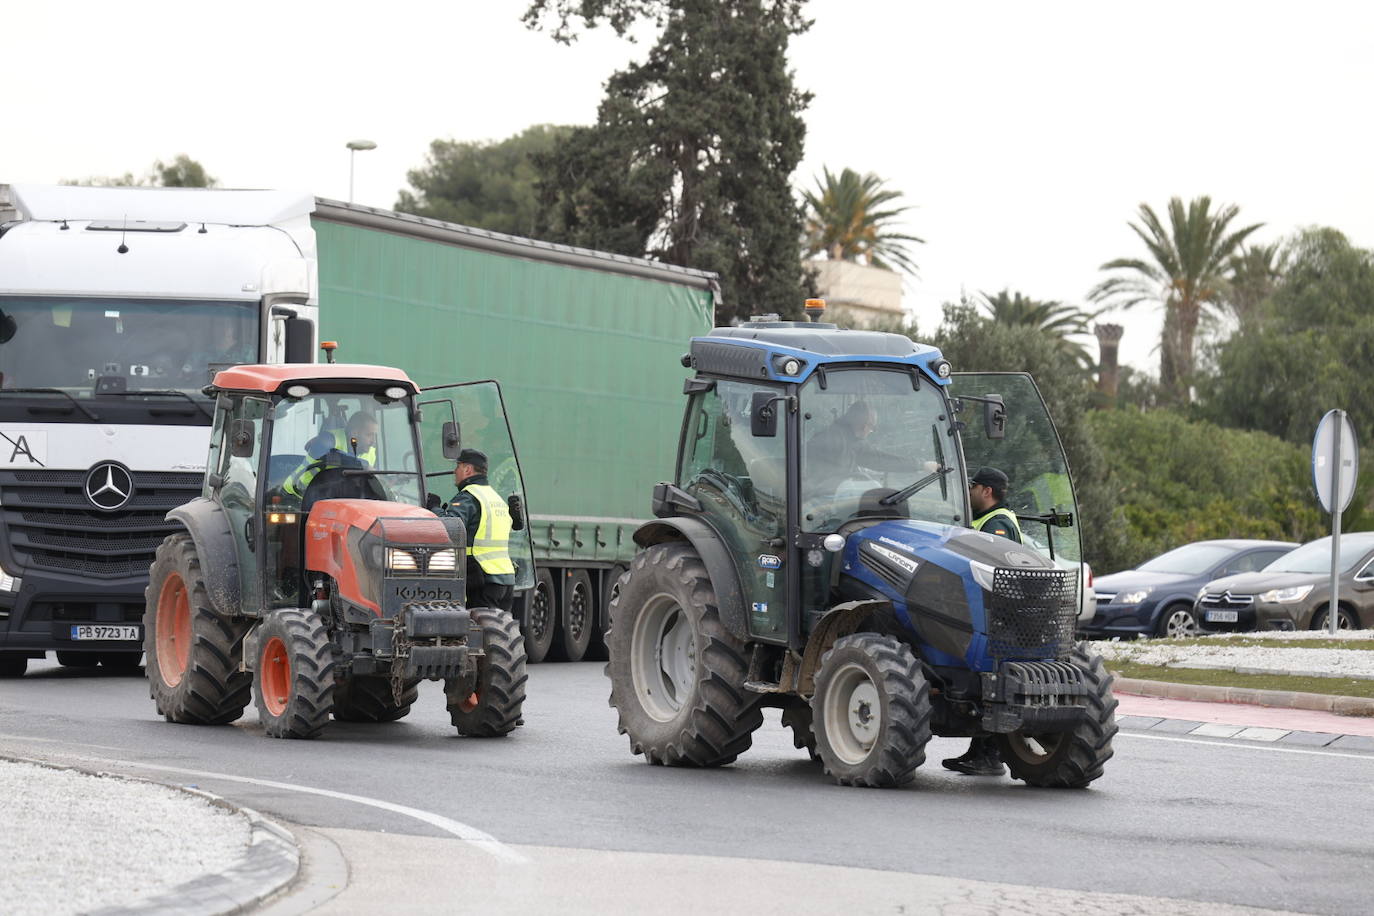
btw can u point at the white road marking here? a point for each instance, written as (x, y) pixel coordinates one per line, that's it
(1249, 747)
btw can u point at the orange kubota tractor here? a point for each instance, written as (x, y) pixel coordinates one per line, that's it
(309, 571)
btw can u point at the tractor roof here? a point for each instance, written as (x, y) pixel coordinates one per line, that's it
(753, 350)
(271, 378)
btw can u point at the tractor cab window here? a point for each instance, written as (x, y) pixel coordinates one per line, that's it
(867, 434)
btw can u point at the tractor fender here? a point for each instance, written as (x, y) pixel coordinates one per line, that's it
(208, 524)
(714, 554)
(840, 620)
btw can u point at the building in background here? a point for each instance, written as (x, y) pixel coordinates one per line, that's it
(856, 294)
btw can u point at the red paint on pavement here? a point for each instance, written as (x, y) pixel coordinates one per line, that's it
(1293, 720)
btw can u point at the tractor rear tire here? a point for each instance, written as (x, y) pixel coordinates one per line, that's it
(491, 707)
(369, 699)
(541, 617)
(193, 651)
(798, 717)
(871, 711)
(677, 674)
(294, 673)
(1072, 759)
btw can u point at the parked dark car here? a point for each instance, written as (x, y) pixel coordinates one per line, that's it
(1156, 598)
(1293, 592)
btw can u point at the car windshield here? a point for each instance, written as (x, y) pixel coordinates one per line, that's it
(1190, 559)
(78, 345)
(1315, 557)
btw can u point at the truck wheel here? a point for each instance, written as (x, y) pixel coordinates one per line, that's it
(579, 615)
(295, 674)
(872, 712)
(491, 708)
(12, 664)
(609, 589)
(193, 652)
(540, 617)
(798, 718)
(78, 659)
(1072, 759)
(677, 674)
(369, 699)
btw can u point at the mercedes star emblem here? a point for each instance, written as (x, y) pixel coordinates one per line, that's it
(109, 486)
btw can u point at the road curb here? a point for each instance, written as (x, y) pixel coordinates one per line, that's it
(1282, 699)
(269, 863)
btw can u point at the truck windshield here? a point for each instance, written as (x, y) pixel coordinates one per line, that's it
(81, 345)
(866, 434)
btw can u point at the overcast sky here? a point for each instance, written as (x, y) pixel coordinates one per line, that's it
(1025, 134)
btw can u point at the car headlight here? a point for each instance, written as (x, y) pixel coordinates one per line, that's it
(443, 561)
(398, 560)
(1285, 595)
(982, 573)
(1134, 597)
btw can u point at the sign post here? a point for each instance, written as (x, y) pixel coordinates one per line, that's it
(1335, 465)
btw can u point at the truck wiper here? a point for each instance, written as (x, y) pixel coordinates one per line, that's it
(66, 394)
(162, 392)
(893, 498)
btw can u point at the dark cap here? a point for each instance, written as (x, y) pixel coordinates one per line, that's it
(991, 477)
(473, 457)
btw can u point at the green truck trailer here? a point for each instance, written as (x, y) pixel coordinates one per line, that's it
(586, 346)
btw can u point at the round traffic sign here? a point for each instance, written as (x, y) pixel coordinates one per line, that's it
(1335, 461)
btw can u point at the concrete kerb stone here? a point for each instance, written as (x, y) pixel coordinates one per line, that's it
(1283, 699)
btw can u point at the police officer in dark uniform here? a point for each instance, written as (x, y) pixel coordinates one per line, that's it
(487, 518)
(987, 493)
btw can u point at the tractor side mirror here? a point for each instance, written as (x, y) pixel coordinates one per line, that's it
(995, 417)
(242, 436)
(453, 440)
(763, 415)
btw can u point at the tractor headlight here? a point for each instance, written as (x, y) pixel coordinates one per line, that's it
(982, 573)
(443, 561)
(398, 560)
(1285, 595)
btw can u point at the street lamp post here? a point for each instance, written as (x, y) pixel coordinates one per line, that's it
(353, 147)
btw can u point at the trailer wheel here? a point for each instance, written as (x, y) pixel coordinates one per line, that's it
(193, 651)
(798, 717)
(369, 699)
(537, 628)
(872, 712)
(294, 674)
(578, 617)
(677, 674)
(490, 706)
(1072, 759)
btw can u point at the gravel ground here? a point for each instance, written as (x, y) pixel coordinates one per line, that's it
(72, 842)
(1216, 653)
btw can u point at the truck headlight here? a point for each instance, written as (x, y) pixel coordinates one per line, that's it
(398, 560)
(1285, 595)
(443, 561)
(1134, 597)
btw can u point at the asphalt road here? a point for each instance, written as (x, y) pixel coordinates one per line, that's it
(1197, 819)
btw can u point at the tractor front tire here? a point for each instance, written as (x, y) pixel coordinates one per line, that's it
(1071, 759)
(370, 699)
(677, 674)
(490, 706)
(194, 653)
(294, 673)
(871, 712)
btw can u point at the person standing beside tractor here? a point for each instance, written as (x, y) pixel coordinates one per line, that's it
(487, 519)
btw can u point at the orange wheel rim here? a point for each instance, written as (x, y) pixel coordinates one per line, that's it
(274, 673)
(173, 621)
(469, 702)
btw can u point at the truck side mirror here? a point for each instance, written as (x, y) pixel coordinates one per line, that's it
(763, 415)
(995, 417)
(241, 438)
(453, 440)
(300, 340)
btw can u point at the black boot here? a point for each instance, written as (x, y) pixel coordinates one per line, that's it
(981, 759)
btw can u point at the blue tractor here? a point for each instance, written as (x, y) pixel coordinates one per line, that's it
(813, 555)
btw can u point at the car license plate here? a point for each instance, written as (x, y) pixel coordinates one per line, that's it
(94, 631)
(1223, 616)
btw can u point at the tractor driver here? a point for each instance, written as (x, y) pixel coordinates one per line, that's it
(987, 493)
(334, 448)
(487, 518)
(836, 451)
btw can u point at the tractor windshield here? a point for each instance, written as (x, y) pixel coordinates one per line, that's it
(868, 434)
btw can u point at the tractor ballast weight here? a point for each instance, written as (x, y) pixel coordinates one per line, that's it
(815, 553)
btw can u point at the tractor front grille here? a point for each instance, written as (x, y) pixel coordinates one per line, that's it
(1031, 612)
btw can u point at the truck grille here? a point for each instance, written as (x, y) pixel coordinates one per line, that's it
(1031, 612)
(52, 526)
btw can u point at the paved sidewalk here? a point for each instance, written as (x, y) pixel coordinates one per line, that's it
(1302, 727)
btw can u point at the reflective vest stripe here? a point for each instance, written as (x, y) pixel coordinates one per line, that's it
(1002, 511)
(490, 547)
(301, 477)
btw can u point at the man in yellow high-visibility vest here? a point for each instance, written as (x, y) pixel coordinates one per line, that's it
(487, 518)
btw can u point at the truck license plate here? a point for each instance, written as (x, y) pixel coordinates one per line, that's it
(92, 631)
(1223, 616)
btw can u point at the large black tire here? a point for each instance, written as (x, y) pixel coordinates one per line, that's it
(577, 617)
(193, 652)
(1177, 621)
(610, 587)
(369, 699)
(294, 674)
(12, 664)
(798, 717)
(541, 617)
(492, 707)
(73, 659)
(677, 674)
(1072, 759)
(871, 712)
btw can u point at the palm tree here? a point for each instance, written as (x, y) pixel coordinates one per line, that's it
(1185, 273)
(1050, 317)
(845, 220)
(1254, 272)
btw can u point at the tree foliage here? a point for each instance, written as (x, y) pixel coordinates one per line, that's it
(691, 156)
(490, 185)
(181, 172)
(845, 221)
(1056, 319)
